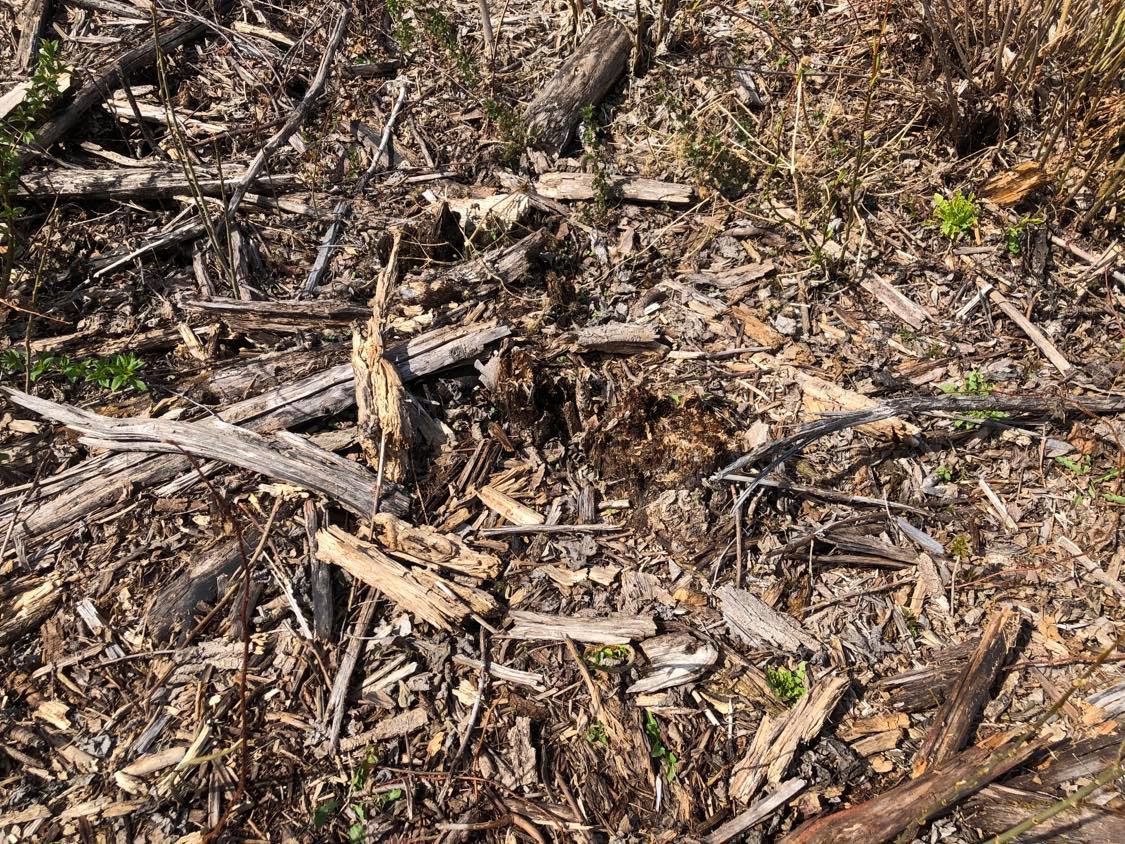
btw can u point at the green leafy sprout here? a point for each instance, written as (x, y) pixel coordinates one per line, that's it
(609, 656)
(116, 372)
(788, 685)
(1083, 468)
(15, 133)
(1013, 235)
(657, 748)
(596, 734)
(955, 215)
(975, 384)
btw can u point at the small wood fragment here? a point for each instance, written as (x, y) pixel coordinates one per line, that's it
(675, 659)
(619, 338)
(508, 508)
(778, 739)
(753, 619)
(583, 187)
(413, 590)
(897, 302)
(605, 630)
(757, 813)
(1037, 337)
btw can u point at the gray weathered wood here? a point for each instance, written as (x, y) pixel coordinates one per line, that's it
(755, 620)
(583, 187)
(280, 315)
(133, 182)
(583, 80)
(607, 630)
(284, 456)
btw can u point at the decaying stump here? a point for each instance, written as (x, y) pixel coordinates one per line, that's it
(582, 81)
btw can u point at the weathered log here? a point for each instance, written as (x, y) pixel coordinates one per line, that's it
(584, 187)
(883, 817)
(133, 183)
(30, 23)
(583, 80)
(280, 315)
(104, 483)
(958, 714)
(285, 456)
(506, 265)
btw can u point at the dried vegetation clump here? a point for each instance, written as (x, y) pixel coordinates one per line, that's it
(630, 422)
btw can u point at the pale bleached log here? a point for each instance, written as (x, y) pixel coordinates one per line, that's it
(105, 483)
(582, 187)
(285, 457)
(135, 183)
(606, 630)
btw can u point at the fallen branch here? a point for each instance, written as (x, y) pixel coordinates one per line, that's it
(286, 457)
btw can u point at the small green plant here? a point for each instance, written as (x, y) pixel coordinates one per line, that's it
(944, 474)
(610, 656)
(960, 548)
(596, 735)
(1013, 235)
(380, 800)
(788, 685)
(442, 32)
(402, 24)
(657, 747)
(955, 215)
(1083, 469)
(606, 194)
(16, 133)
(116, 372)
(975, 384)
(911, 619)
(510, 129)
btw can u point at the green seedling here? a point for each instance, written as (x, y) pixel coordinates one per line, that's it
(944, 474)
(959, 548)
(116, 372)
(610, 656)
(788, 685)
(1013, 235)
(659, 751)
(596, 735)
(956, 215)
(975, 384)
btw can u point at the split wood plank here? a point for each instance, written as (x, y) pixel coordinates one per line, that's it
(999, 807)
(583, 80)
(775, 744)
(882, 818)
(279, 314)
(957, 716)
(135, 183)
(604, 630)
(440, 602)
(1037, 337)
(757, 813)
(583, 187)
(283, 456)
(756, 621)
